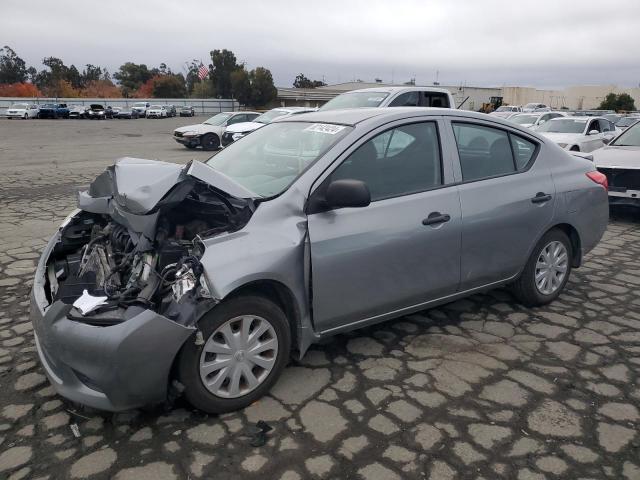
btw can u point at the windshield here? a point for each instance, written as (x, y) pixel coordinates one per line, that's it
(218, 119)
(272, 157)
(355, 100)
(627, 121)
(270, 116)
(629, 138)
(156, 107)
(563, 125)
(48, 105)
(524, 119)
(96, 107)
(20, 105)
(505, 109)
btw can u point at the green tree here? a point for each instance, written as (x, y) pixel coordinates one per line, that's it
(12, 68)
(262, 88)
(73, 76)
(192, 75)
(91, 74)
(203, 89)
(621, 102)
(55, 81)
(131, 76)
(169, 86)
(223, 64)
(241, 86)
(302, 81)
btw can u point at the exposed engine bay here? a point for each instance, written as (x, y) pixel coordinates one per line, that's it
(109, 259)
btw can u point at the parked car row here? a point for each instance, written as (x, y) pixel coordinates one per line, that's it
(62, 110)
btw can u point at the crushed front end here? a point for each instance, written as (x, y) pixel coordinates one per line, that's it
(120, 287)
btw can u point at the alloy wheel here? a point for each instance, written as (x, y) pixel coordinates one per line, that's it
(551, 267)
(238, 356)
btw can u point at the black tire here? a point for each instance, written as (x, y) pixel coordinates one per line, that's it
(191, 146)
(575, 148)
(25, 116)
(189, 358)
(525, 288)
(210, 141)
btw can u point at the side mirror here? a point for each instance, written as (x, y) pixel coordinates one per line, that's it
(606, 140)
(347, 193)
(593, 132)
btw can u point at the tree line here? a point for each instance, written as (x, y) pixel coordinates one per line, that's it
(227, 78)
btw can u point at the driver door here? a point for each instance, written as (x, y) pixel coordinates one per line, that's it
(400, 251)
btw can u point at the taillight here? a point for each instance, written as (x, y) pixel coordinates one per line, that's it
(599, 178)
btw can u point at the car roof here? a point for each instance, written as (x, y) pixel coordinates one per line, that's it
(399, 89)
(578, 117)
(353, 116)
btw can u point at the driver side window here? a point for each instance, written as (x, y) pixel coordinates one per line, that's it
(397, 162)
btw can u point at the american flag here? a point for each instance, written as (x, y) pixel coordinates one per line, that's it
(202, 72)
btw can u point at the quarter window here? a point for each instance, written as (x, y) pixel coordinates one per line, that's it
(523, 151)
(489, 152)
(397, 162)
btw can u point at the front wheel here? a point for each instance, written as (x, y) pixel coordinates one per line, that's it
(247, 341)
(547, 270)
(210, 142)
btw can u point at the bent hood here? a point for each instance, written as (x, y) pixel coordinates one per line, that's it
(137, 185)
(244, 127)
(200, 128)
(617, 157)
(562, 137)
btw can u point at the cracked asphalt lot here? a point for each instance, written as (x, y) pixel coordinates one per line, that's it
(482, 388)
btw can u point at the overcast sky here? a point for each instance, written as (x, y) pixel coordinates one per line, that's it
(544, 43)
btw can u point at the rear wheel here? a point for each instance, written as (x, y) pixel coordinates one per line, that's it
(547, 270)
(210, 142)
(246, 346)
(575, 148)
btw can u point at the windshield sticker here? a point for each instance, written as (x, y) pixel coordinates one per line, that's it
(324, 128)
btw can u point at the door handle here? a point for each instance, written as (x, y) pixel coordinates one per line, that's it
(436, 218)
(541, 197)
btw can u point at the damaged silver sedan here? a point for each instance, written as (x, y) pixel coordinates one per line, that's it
(201, 279)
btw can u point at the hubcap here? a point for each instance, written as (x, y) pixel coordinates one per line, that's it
(551, 268)
(238, 356)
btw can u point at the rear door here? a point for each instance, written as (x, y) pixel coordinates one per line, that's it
(507, 198)
(404, 248)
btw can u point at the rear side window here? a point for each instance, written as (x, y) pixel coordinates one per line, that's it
(407, 99)
(397, 162)
(486, 152)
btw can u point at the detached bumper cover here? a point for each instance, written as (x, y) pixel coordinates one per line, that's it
(110, 368)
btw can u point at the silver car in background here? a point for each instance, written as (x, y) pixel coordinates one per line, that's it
(204, 278)
(620, 162)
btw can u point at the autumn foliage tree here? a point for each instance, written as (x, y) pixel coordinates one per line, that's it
(101, 89)
(19, 90)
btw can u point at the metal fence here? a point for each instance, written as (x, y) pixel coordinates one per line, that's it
(202, 106)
